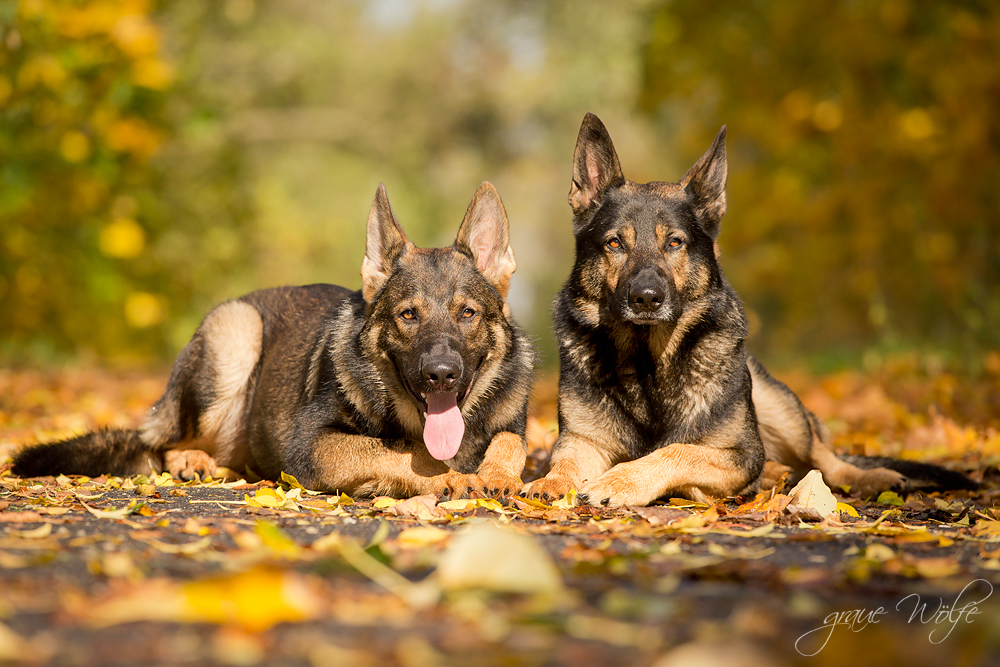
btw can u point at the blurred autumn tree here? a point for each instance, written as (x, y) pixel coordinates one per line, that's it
(81, 91)
(157, 158)
(864, 144)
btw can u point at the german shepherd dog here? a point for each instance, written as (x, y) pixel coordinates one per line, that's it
(418, 383)
(657, 393)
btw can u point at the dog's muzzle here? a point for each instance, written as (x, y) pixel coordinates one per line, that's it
(647, 295)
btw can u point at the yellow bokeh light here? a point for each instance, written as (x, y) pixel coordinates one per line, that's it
(143, 309)
(123, 239)
(827, 116)
(916, 124)
(74, 147)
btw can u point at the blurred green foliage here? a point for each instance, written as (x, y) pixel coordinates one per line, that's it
(157, 158)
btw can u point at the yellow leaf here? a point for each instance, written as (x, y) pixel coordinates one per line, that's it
(383, 502)
(880, 553)
(989, 530)
(567, 501)
(291, 481)
(458, 505)
(12, 646)
(34, 533)
(267, 501)
(490, 504)
(538, 504)
(257, 599)
(930, 568)
(889, 498)
(920, 535)
(163, 479)
(844, 507)
(111, 514)
(277, 540)
(421, 536)
(329, 543)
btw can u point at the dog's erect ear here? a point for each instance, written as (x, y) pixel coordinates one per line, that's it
(705, 183)
(385, 243)
(485, 235)
(595, 165)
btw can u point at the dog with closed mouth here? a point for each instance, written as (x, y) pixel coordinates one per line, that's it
(418, 383)
(657, 394)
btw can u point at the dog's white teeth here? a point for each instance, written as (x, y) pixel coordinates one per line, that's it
(423, 395)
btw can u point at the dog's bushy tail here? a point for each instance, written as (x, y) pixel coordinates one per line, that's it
(921, 476)
(108, 451)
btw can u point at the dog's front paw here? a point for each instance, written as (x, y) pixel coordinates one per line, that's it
(498, 482)
(551, 487)
(454, 485)
(617, 487)
(186, 463)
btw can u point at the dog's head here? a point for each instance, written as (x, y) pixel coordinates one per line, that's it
(643, 250)
(438, 316)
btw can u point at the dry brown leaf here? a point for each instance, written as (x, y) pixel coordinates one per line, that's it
(423, 508)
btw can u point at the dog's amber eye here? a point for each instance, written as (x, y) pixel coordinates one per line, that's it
(468, 313)
(676, 242)
(408, 314)
(614, 243)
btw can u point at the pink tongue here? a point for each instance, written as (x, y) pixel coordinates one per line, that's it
(444, 428)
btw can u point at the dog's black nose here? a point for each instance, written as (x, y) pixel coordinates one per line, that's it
(646, 292)
(441, 373)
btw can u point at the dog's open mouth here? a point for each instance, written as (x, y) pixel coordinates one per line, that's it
(444, 426)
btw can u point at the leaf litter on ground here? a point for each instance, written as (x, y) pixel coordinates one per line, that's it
(258, 558)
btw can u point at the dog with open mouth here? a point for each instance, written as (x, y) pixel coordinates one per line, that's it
(417, 383)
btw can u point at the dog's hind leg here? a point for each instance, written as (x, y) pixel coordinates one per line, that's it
(205, 404)
(837, 472)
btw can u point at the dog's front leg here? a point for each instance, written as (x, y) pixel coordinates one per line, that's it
(365, 466)
(698, 472)
(360, 465)
(575, 460)
(500, 471)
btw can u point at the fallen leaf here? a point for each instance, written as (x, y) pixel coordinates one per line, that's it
(659, 515)
(277, 540)
(879, 553)
(12, 646)
(889, 498)
(20, 517)
(34, 533)
(931, 568)
(844, 507)
(256, 599)
(988, 530)
(421, 536)
(812, 492)
(120, 513)
(423, 508)
(497, 559)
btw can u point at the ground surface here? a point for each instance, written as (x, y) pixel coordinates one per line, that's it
(116, 571)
